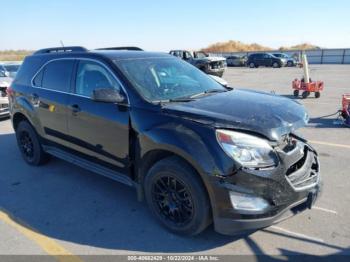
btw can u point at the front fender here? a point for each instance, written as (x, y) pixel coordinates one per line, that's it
(196, 147)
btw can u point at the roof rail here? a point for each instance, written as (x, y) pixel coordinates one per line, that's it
(129, 48)
(61, 49)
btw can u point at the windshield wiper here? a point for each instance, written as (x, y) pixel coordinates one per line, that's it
(215, 91)
(210, 91)
(180, 99)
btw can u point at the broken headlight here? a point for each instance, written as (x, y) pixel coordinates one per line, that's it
(250, 151)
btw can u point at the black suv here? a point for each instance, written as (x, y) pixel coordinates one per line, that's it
(198, 152)
(265, 59)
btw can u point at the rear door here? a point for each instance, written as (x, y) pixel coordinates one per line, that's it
(98, 130)
(267, 60)
(49, 97)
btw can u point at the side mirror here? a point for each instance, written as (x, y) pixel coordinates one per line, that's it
(107, 95)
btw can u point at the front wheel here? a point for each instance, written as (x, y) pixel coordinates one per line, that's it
(276, 65)
(177, 197)
(29, 145)
(296, 93)
(317, 94)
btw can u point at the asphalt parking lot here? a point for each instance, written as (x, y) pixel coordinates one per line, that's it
(62, 209)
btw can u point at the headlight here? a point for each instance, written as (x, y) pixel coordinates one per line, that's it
(250, 151)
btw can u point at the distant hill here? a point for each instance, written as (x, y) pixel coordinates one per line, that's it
(14, 55)
(304, 46)
(237, 46)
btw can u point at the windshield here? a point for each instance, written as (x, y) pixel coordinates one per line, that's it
(12, 68)
(200, 55)
(281, 55)
(2, 73)
(160, 79)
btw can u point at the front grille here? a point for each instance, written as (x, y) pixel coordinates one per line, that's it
(2, 106)
(217, 65)
(304, 173)
(3, 92)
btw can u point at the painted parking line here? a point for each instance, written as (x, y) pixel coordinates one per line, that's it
(297, 234)
(325, 210)
(329, 144)
(50, 246)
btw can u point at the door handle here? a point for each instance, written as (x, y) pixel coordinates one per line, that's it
(75, 108)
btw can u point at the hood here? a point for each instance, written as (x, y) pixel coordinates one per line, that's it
(267, 114)
(5, 81)
(214, 58)
(220, 80)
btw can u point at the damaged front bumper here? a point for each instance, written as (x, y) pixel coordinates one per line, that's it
(268, 195)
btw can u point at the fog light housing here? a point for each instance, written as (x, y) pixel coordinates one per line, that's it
(248, 203)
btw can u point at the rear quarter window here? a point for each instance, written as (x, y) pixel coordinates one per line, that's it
(28, 69)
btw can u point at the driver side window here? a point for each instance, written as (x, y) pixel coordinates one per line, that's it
(90, 76)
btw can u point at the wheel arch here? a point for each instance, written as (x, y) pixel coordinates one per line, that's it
(18, 117)
(154, 156)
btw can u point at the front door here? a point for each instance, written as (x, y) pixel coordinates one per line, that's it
(98, 130)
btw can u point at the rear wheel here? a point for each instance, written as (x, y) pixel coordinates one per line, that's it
(305, 94)
(296, 93)
(252, 65)
(290, 63)
(177, 197)
(317, 94)
(29, 145)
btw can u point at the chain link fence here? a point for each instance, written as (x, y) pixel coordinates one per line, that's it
(319, 56)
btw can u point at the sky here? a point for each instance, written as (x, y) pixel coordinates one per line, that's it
(161, 25)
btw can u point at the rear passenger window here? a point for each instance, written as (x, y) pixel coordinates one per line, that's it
(57, 75)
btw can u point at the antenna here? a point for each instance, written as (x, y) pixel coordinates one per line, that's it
(61, 43)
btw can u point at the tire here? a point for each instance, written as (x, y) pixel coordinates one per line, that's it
(276, 65)
(29, 145)
(252, 65)
(185, 211)
(290, 63)
(296, 93)
(317, 94)
(305, 94)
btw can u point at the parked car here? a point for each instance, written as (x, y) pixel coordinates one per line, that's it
(208, 64)
(236, 60)
(5, 82)
(290, 60)
(191, 147)
(12, 68)
(265, 59)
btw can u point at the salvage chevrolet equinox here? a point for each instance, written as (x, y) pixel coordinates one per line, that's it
(197, 152)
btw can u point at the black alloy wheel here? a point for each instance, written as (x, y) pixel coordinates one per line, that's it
(173, 199)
